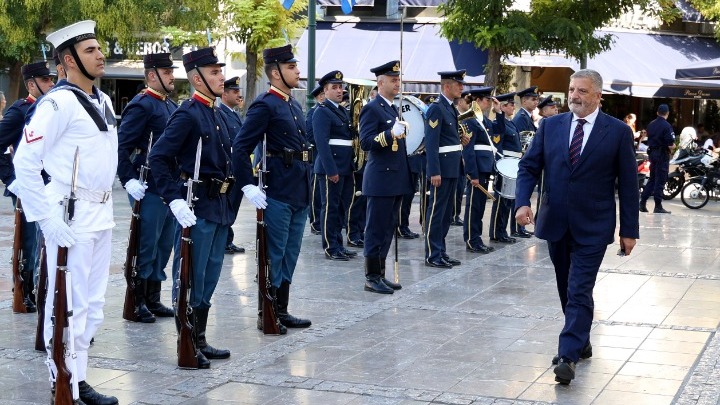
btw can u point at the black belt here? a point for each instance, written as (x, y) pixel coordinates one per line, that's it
(222, 185)
(288, 155)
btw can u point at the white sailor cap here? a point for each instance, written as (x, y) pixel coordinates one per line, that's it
(72, 34)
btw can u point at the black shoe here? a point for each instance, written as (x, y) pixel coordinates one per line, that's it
(586, 353)
(504, 239)
(457, 222)
(152, 300)
(454, 262)
(91, 397)
(290, 321)
(564, 372)
(356, 243)
(281, 327)
(482, 248)
(660, 210)
(377, 285)
(438, 263)
(339, 256)
(643, 206)
(29, 305)
(232, 248)
(391, 284)
(314, 231)
(521, 234)
(348, 253)
(406, 233)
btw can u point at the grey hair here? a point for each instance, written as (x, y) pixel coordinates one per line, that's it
(590, 74)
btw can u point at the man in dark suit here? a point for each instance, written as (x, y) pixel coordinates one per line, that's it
(444, 151)
(583, 153)
(387, 174)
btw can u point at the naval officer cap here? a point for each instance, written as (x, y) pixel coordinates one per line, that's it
(506, 98)
(201, 57)
(37, 69)
(334, 77)
(232, 83)
(546, 102)
(281, 54)
(529, 92)
(158, 60)
(316, 91)
(391, 68)
(457, 75)
(72, 34)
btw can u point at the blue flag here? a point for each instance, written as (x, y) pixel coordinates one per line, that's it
(346, 5)
(288, 3)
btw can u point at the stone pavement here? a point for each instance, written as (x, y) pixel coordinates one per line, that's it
(480, 333)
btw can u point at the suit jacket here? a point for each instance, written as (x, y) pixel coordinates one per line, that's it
(441, 129)
(582, 200)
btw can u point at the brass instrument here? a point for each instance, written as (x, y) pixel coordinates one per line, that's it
(464, 131)
(358, 91)
(526, 138)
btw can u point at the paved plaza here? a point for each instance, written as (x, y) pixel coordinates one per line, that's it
(480, 333)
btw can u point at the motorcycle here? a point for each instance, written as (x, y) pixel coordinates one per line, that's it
(698, 190)
(691, 162)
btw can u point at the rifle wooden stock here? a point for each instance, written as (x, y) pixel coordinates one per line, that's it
(40, 297)
(130, 265)
(269, 317)
(18, 304)
(187, 352)
(63, 389)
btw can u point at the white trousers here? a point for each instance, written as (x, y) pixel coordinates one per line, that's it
(89, 267)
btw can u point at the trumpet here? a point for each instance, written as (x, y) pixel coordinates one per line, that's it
(526, 138)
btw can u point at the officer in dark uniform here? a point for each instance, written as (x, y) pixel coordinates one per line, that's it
(479, 157)
(315, 203)
(356, 213)
(547, 107)
(660, 139)
(444, 151)
(508, 146)
(278, 118)
(333, 164)
(212, 214)
(38, 81)
(387, 174)
(146, 114)
(523, 121)
(230, 100)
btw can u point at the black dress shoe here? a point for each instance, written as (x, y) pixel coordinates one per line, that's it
(454, 262)
(586, 353)
(377, 285)
(406, 233)
(339, 256)
(91, 397)
(480, 249)
(391, 284)
(660, 210)
(349, 253)
(564, 372)
(233, 248)
(438, 263)
(290, 321)
(504, 239)
(314, 231)
(521, 234)
(356, 243)
(457, 222)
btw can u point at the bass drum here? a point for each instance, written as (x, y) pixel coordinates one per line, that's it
(413, 111)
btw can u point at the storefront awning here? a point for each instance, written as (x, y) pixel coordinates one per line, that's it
(355, 48)
(709, 69)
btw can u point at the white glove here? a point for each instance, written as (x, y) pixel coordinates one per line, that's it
(136, 189)
(56, 231)
(182, 213)
(255, 195)
(14, 187)
(398, 128)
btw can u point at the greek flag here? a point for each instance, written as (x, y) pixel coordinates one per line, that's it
(347, 6)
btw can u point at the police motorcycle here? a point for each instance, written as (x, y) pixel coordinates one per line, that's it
(698, 190)
(691, 162)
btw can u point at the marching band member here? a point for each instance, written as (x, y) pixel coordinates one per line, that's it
(509, 146)
(315, 203)
(523, 121)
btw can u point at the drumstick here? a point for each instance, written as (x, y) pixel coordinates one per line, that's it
(481, 188)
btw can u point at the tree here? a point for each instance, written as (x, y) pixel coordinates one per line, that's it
(566, 26)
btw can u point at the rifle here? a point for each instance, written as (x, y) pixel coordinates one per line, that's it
(66, 391)
(18, 262)
(187, 350)
(266, 304)
(131, 256)
(40, 297)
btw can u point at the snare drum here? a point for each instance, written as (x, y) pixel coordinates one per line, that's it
(507, 168)
(413, 111)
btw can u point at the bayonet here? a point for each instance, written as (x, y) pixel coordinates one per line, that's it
(70, 200)
(190, 199)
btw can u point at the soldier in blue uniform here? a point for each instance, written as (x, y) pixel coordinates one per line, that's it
(508, 146)
(212, 214)
(523, 122)
(278, 118)
(315, 203)
(660, 140)
(479, 157)
(38, 81)
(146, 114)
(229, 101)
(444, 151)
(333, 164)
(356, 213)
(387, 174)
(547, 107)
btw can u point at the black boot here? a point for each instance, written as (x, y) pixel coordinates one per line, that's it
(393, 285)
(643, 206)
(142, 313)
(283, 297)
(201, 317)
(91, 397)
(373, 276)
(281, 327)
(203, 362)
(153, 300)
(28, 299)
(659, 208)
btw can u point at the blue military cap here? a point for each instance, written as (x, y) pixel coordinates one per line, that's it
(37, 69)
(281, 54)
(480, 92)
(316, 91)
(232, 83)
(529, 92)
(507, 98)
(335, 76)
(201, 57)
(158, 60)
(663, 109)
(391, 68)
(457, 75)
(547, 101)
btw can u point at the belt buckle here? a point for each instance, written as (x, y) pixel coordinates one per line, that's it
(224, 187)
(106, 196)
(305, 157)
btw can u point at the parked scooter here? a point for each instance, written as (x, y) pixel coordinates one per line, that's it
(691, 162)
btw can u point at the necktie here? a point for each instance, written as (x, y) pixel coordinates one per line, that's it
(576, 143)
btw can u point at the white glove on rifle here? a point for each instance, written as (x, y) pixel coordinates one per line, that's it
(255, 195)
(398, 128)
(57, 232)
(14, 187)
(182, 212)
(136, 189)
